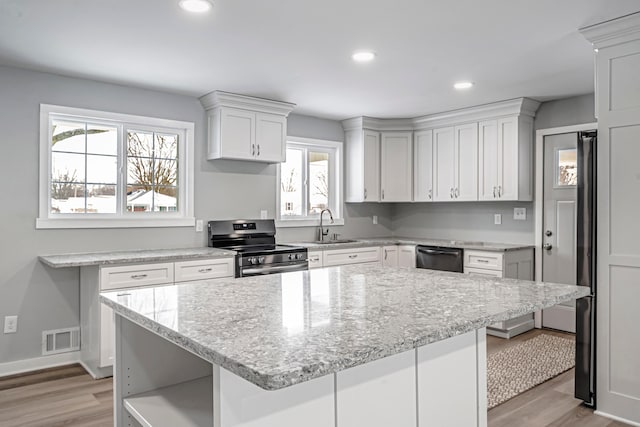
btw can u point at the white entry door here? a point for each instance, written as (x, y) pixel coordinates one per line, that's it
(559, 224)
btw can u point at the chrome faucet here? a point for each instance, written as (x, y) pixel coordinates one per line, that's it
(321, 232)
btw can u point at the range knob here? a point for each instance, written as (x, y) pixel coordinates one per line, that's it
(299, 256)
(260, 260)
(253, 261)
(291, 257)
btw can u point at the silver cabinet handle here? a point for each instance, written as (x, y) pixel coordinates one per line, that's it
(451, 193)
(499, 191)
(138, 276)
(365, 193)
(485, 261)
(253, 149)
(353, 256)
(382, 194)
(314, 259)
(205, 270)
(385, 254)
(258, 150)
(429, 194)
(494, 192)
(457, 192)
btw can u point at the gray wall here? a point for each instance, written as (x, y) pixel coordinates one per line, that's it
(46, 298)
(474, 221)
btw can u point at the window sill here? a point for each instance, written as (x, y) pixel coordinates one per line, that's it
(53, 223)
(286, 223)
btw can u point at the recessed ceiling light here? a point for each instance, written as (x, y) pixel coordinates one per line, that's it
(363, 56)
(463, 85)
(196, 6)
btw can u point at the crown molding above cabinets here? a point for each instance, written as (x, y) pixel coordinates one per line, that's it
(478, 153)
(246, 128)
(610, 33)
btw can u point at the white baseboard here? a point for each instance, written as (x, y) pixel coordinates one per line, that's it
(36, 363)
(615, 418)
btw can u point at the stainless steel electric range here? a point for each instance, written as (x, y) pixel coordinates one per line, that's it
(254, 241)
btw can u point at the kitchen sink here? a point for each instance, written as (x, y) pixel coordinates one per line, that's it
(327, 242)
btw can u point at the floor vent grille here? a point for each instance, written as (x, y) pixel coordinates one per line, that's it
(60, 341)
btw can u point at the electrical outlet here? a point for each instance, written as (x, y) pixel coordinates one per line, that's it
(199, 225)
(263, 214)
(375, 219)
(497, 219)
(10, 324)
(520, 214)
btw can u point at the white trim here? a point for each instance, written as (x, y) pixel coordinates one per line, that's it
(335, 190)
(186, 148)
(37, 363)
(226, 99)
(615, 31)
(616, 418)
(539, 196)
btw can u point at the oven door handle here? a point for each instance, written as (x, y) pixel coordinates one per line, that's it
(274, 269)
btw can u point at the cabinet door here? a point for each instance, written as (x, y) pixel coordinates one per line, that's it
(396, 167)
(466, 162)
(237, 133)
(488, 156)
(351, 256)
(423, 166)
(443, 164)
(390, 256)
(203, 269)
(371, 166)
(271, 132)
(315, 259)
(508, 178)
(407, 256)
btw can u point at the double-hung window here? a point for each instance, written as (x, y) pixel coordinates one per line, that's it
(100, 169)
(310, 181)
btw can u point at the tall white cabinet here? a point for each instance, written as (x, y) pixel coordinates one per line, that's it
(396, 177)
(423, 166)
(618, 191)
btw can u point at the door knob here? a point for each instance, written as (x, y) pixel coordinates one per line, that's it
(547, 246)
(548, 233)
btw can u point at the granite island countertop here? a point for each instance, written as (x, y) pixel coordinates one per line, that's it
(384, 241)
(123, 257)
(283, 329)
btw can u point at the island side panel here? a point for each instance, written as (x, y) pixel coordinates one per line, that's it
(239, 403)
(144, 362)
(452, 388)
(379, 393)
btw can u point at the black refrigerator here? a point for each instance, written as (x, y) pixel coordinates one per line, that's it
(585, 377)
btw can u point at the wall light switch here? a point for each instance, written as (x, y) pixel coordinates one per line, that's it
(375, 219)
(497, 219)
(263, 214)
(10, 324)
(520, 214)
(199, 225)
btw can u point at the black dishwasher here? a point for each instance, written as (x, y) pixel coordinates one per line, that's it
(439, 258)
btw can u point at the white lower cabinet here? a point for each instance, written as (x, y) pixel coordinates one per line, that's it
(407, 256)
(351, 256)
(516, 264)
(96, 319)
(315, 259)
(390, 256)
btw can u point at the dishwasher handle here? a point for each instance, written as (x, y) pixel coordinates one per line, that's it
(453, 252)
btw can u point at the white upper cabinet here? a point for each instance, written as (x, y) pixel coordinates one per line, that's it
(246, 128)
(443, 164)
(466, 162)
(396, 170)
(363, 165)
(505, 159)
(423, 166)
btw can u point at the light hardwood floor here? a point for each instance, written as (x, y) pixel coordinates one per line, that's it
(68, 396)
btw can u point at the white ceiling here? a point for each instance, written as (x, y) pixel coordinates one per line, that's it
(299, 50)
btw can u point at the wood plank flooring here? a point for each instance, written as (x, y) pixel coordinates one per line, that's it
(68, 396)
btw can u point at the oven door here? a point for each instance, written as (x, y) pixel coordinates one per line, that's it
(259, 270)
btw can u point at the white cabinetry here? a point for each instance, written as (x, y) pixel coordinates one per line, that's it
(316, 259)
(363, 165)
(407, 256)
(246, 128)
(505, 159)
(390, 256)
(351, 256)
(516, 264)
(423, 166)
(395, 167)
(96, 319)
(456, 163)
(443, 164)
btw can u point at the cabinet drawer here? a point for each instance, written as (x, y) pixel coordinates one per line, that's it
(482, 259)
(351, 256)
(203, 269)
(483, 272)
(315, 259)
(128, 276)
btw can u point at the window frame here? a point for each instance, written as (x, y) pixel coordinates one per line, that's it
(184, 217)
(336, 183)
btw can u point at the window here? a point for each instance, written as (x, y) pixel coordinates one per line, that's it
(101, 169)
(310, 181)
(566, 167)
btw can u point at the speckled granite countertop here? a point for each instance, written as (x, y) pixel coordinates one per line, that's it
(121, 257)
(283, 329)
(383, 241)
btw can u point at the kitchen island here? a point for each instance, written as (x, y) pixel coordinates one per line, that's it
(342, 346)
